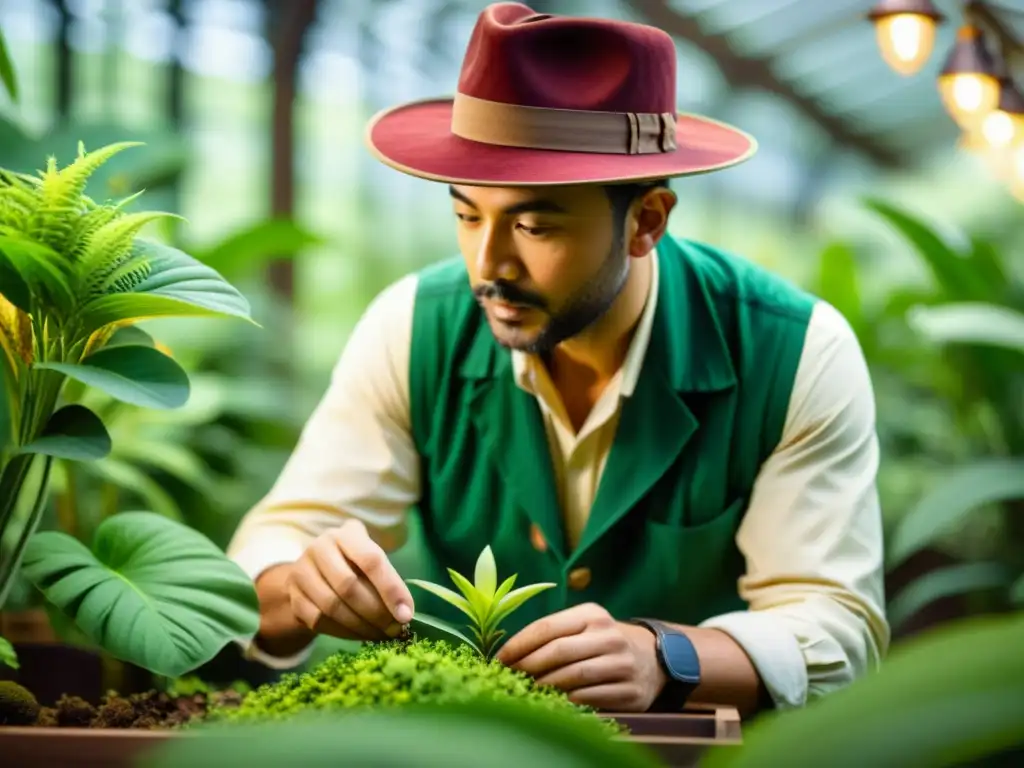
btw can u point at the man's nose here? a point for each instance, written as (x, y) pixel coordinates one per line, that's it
(495, 259)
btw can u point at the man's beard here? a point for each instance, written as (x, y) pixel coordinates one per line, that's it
(581, 311)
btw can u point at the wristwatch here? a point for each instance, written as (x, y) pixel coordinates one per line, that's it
(678, 658)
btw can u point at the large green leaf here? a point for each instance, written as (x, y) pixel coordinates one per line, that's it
(74, 433)
(40, 269)
(7, 74)
(482, 733)
(133, 374)
(956, 274)
(970, 323)
(960, 579)
(251, 248)
(177, 286)
(151, 592)
(7, 655)
(959, 493)
(13, 286)
(949, 698)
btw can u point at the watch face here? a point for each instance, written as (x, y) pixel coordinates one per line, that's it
(681, 658)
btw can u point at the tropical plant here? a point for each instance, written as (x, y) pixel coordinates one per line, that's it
(951, 697)
(946, 363)
(485, 602)
(73, 273)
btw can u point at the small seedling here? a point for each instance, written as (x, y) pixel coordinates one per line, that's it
(484, 602)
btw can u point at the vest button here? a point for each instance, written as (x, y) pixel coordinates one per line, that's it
(537, 539)
(579, 579)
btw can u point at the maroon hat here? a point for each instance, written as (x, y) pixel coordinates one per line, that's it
(547, 100)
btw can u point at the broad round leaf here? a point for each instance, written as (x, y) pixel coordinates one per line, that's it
(73, 432)
(961, 492)
(484, 733)
(134, 374)
(151, 592)
(946, 699)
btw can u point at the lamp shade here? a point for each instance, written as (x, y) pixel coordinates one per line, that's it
(905, 30)
(969, 83)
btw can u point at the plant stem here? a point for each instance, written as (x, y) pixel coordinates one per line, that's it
(10, 567)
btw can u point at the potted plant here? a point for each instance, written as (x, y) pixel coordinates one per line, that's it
(392, 678)
(75, 278)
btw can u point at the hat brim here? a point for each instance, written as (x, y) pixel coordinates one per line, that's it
(416, 138)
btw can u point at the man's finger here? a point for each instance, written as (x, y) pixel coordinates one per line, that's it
(571, 621)
(310, 583)
(614, 697)
(564, 651)
(311, 616)
(352, 588)
(598, 670)
(373, 562)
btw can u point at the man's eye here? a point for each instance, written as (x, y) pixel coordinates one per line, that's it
(466, 218)
(535, 231)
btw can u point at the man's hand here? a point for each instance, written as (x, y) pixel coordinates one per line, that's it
(598, 661)
(344, 585)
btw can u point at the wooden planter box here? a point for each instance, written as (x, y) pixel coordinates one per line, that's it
(678, 739)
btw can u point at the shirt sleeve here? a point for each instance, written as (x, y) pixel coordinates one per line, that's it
(355, 457)
(812, 536)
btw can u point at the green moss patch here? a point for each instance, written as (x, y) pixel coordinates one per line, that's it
(399, 673)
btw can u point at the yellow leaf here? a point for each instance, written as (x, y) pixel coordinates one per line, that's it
(15, 335)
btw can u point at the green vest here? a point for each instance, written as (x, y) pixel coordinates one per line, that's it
(708, 409)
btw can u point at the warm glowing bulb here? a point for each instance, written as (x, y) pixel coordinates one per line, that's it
(1001, 129)
(969, 97)
(906, 41)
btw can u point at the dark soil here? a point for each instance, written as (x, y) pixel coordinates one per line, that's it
(148, 710)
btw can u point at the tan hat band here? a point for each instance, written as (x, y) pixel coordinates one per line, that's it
(570, 130)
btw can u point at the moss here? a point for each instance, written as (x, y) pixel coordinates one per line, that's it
(392, 674)
(17, 705)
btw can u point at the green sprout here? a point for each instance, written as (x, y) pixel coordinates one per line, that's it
(484, 602)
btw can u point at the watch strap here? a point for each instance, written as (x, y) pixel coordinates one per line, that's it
(677, 690)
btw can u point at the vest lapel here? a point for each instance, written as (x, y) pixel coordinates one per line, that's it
(511, 430)
(687, 352)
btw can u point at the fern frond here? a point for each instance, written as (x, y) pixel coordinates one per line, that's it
(61, 195)
(127, 276)
(112, 241)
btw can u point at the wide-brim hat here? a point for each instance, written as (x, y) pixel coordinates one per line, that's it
(546, 99)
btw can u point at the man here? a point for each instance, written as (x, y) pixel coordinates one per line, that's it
(668, 433)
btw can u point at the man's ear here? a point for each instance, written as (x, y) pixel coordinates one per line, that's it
(650, 219)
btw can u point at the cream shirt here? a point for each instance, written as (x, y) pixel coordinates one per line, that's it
(811, 537)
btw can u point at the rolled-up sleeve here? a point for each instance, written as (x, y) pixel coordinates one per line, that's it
(812, 536)
(355, 457)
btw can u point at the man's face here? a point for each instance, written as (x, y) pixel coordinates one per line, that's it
(544, 263)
